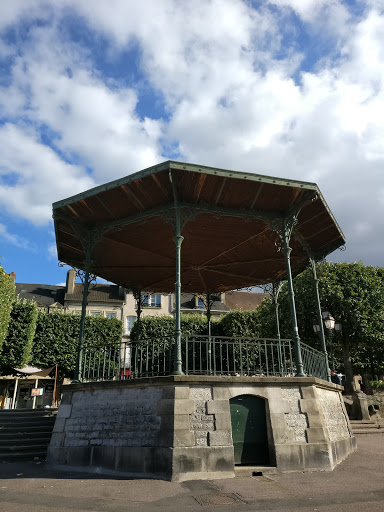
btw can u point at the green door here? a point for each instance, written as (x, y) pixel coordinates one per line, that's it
(249, 430)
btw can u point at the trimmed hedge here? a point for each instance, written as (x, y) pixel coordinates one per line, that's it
(235, 323)
(240, 323)
(164, 326)
(17, 347)
(57, 336)
(7, 296)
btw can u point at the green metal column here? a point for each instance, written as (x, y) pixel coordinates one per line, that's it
(276, 287)
(79, 359)
(177, 368)
(320, 318)
(296, 338)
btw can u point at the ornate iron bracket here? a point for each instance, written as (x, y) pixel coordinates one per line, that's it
(285, 227)
(185, 214)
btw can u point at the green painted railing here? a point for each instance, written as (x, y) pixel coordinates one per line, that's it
(222, 355)
(201, 355)
(314, 362)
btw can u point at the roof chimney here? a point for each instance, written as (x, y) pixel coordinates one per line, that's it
(12, 275)
(71, 278)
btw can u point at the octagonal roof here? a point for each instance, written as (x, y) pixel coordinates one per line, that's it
(229, 220)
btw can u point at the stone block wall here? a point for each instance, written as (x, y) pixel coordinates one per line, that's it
(124, 429)
(180, 427)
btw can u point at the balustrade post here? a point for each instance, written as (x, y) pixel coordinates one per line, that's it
(296, 338)
(320, 318)
(79, 357)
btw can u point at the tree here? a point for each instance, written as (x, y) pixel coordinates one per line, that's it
(17, 347)
(354, 295)
(7, 295)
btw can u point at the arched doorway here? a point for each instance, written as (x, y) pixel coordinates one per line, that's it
(249, 430)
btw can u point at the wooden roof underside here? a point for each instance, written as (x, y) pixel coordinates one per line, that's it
(227, 222)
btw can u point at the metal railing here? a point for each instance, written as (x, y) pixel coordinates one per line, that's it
(201, 355)
(314, 362)
(240, 356)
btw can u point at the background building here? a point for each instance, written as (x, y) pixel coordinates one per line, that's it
(113, 301)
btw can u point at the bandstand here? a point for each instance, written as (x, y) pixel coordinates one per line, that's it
(199, 407)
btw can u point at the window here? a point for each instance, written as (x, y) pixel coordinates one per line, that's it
(152, 301)
(129, 321)
(110, 315)
(200, 304)
(95, 313)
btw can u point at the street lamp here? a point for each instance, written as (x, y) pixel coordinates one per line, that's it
(329, 321)
(330, 325)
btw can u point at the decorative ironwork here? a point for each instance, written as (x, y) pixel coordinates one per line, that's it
(82, 275)
(186, 215)
(274, 290)
(201, 355)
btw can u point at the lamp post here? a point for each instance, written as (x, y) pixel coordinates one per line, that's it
(330, 325)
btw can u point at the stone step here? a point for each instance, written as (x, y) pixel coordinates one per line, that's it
(23, 435)
(35, 423)
(14, 429)
(367, 424)
(362, 422)
(5, 420)
(24, 440)
(24, 448)
(31, 455)
(367, 427)
(245, 471)
(26, 412)
(368, 431)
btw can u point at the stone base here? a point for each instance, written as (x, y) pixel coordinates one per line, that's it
(179, 427)
(357, 406)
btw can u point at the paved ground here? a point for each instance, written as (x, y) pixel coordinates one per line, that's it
(355, 485)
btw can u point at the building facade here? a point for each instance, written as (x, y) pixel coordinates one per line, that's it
(114, 301)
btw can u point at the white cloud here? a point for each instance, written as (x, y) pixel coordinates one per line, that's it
(13, 239)
(333, 14)
(52, 251)
(42, 177)
(13, 11)
(53, 84)
(234, 94)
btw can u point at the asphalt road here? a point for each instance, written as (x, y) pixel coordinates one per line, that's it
(356, 485)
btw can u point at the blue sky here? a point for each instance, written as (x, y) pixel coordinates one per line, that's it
(93, 91)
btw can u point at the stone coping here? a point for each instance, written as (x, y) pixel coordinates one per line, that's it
(203, 379)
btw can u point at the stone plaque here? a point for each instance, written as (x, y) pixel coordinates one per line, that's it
(295, 419)
(200, 422)
(333, 413)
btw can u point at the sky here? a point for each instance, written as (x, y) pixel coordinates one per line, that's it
(94, 91)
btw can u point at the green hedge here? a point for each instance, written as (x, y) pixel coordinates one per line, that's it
(377, 384)
(57, 336)
(240, 323)
(7, 296)
(17, 347)
(235, 323)
(164, 326)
